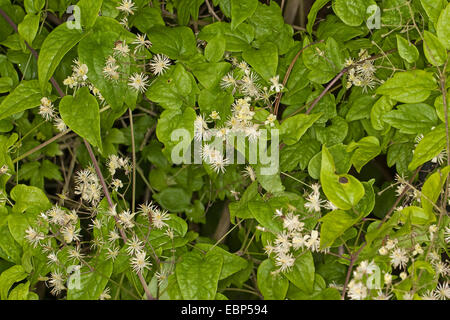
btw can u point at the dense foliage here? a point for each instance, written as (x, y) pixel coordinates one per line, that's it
(114, 181)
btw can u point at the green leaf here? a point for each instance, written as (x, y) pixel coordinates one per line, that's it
(351, 12)
(172, 89)
(334, 224)
(92, 283)
(231, 262)
(147, 18)
(34, 6)
(10, 250)
(366, 149)
(439, 105)
(407, 50)
(269, 26)
(176, 43)
(303, 272)
(380, 108)
(198, 275)
(360, 108)
(299, 153)
(432, 189)
(344, 191)
(412, 118)
(264, 60)
(236, 40)
(20, 292)
(409, 87)
(417, 216)
(29, 27)
(215, 48)
(209, 74)
(433, 8)
(25, 96)
(9, 277)
(174, 199)
(443, 27)
(28, 197)
(342, 160)
(317, 5)
(293, 128)
(89, 10)
(429, 147)
(171, 120)
(272, 286)
(434, 50)
(263, 212)
(54, 48)
(241, 10)
(81, 114)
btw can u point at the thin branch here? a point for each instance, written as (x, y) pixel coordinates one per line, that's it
(288, 73)
(211, 10)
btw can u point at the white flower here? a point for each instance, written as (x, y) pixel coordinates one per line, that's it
(442, 291)
(126, 6)
(126, 219)
(285, 261)
(134, 245)
(228, 81)
(313, 202)
(159, 64)
(112, 253)
(75, 253)
(52, 258)
(417, 250)
(139, 82)
(57, 283)
(60, 125)
(441, 268)
(447, 234)
(313, 241)
(271, 118)
(282, 242)
(105, 294)
(291, 222)
(117, 184)
(429, 295)
(121, 49)
(33, 236)
(141, 42)
(399, 258)
(298, 241)
(158, 218)
(139, 262)
(391, 243)
(70, 233)
(47, 112)
(357, 290)
(200, 127)
(383, 251)
(249, 173)
(276, 86)
(387, 278)
(214, 115)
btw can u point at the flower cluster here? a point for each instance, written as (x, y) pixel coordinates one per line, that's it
(292, 241)
(48, 112)
(241, 79)
(88, 186)
(361, 72)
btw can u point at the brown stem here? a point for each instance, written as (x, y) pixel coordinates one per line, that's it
(288, 73)
(211, 10)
